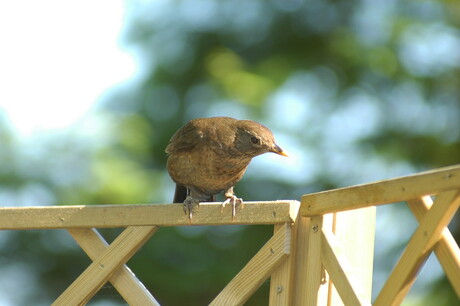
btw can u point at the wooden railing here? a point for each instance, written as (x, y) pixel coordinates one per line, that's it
(321, 252)
(431, 234)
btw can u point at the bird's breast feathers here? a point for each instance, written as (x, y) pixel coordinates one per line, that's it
(205, 170)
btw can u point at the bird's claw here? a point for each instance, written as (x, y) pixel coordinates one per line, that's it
(234, 201)
(188, 206)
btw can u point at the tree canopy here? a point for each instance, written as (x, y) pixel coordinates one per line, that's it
(354, 91)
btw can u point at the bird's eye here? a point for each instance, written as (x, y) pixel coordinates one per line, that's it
(255, 140)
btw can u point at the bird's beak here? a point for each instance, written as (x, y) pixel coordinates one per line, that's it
(276, 149)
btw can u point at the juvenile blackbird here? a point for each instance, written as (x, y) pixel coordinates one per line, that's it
(210, 155)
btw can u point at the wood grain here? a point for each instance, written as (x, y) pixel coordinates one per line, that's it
(106, 216)
(316, 289)
(282, 278)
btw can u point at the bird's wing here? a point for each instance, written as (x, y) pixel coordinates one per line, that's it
(185, 139)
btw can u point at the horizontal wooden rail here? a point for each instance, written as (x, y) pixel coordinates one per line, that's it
(381, 192)
(109, 216)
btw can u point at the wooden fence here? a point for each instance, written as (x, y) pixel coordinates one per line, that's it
(321, 252)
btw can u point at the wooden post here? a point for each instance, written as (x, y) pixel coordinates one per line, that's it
(282, 279)
(301, 230)
(311, 280)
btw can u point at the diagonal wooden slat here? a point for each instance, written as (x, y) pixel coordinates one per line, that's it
(446, 249)
(335, 268)
(126, 283)
(418, 248)
(99, 272)
(257, 270)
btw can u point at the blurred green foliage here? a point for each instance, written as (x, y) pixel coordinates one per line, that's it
(354, 90)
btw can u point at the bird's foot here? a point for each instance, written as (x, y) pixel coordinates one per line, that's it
(234, 201)
(189, 204)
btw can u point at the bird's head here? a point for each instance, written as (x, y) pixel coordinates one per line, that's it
(253, 139)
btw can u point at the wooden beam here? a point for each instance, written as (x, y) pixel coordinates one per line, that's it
(126, 283)
(316, 291)
(99, 272)
(418, 248)
(382, 192)
(258, 269)
(302, 230)
(109, 216)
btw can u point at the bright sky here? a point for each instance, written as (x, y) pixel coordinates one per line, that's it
(57, 58)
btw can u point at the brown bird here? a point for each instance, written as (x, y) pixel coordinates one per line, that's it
(208, 156)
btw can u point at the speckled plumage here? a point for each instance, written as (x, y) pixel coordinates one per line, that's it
(210, 155)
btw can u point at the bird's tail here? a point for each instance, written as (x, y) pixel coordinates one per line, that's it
(181, 194)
